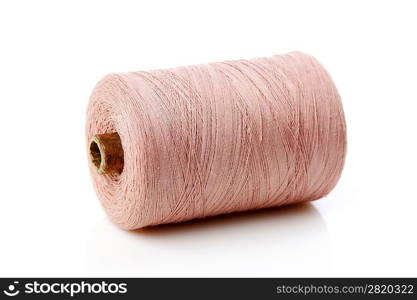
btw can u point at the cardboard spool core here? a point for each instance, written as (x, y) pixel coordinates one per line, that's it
(106, 153)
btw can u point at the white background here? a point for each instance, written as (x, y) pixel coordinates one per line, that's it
(52, 53)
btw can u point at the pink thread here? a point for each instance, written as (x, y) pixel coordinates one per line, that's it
(218, 138)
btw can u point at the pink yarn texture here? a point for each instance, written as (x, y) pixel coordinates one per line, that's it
(218, 138)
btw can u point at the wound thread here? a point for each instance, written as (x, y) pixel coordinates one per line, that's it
(211, 139)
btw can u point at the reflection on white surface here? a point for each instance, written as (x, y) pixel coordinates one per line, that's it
(289, 241)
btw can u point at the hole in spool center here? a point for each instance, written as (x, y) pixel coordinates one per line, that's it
(106, 153)
(95, 154)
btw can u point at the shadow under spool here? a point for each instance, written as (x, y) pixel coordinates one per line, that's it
(106, 153)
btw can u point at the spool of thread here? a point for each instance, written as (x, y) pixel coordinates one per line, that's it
(174, 145)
